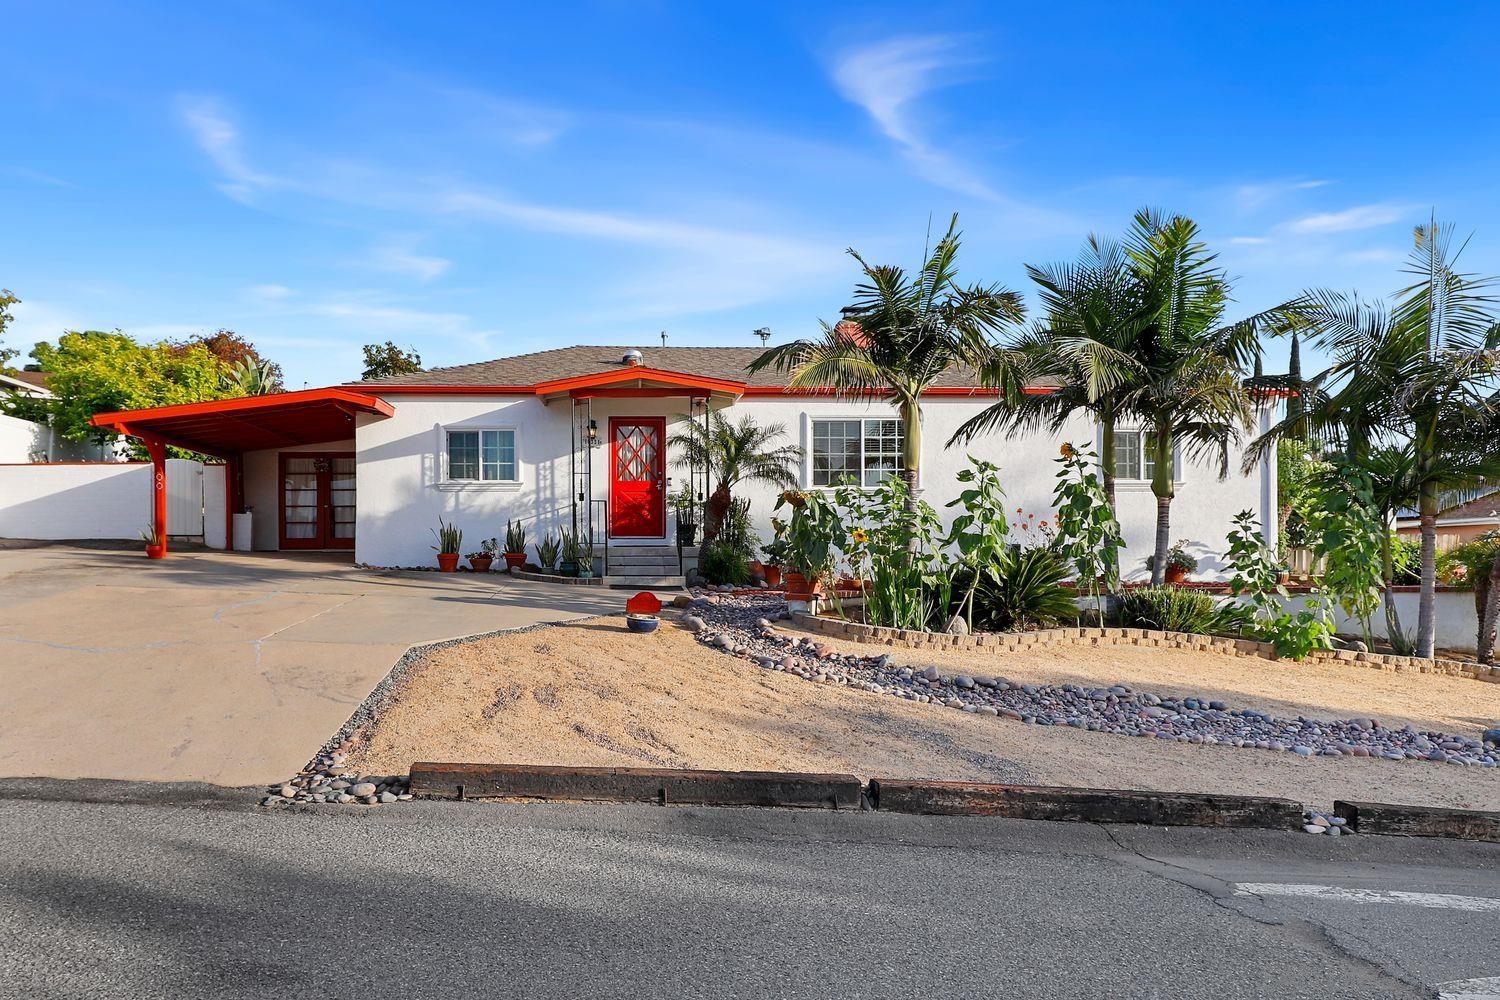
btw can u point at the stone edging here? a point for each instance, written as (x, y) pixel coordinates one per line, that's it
(881, 635)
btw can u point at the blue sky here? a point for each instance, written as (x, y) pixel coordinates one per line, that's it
(481, 180)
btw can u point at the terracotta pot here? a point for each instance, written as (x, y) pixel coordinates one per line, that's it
(481, 564)
(448, 562)
(514, 559)
(800, 588)
(1175, 575)
(757, 567)
(156, 552)
(773, 575)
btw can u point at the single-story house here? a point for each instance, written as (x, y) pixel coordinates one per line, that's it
(1463, 515)
(579, 437)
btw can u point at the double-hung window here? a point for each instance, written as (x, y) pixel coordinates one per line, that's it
(1135, 457)
(483, 456)
(855, 452)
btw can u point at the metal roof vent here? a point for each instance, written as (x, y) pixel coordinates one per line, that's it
(633, 358)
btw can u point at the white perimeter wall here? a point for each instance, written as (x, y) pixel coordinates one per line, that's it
(20, 439)
(86, 500)
(1457, 623)
(401, 494)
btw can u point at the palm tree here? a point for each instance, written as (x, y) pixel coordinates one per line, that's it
(902, 334)
(1095, 310)
(1420, 374)
(1189, 391)
(733, 454)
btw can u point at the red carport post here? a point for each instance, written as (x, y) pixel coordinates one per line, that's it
(234, 495)
(157, 449)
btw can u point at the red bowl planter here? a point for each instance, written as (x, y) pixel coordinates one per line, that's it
(773, 576)
(156, 552)
(481, 564)
(448, 562)
(1174, 575)
(514, 559)
(800, 588)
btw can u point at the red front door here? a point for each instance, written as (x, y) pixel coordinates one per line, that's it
(317, 500)
(637, 477)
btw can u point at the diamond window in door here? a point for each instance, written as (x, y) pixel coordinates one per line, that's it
(635, 456)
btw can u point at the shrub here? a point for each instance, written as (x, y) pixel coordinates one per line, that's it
(1027, 591)
(720, 563)
(1168, 609)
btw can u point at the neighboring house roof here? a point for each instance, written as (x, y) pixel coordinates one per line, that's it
(1480, 504)
(525, 371)
(26, 383)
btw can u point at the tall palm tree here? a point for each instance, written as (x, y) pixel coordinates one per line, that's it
(1095, 309)
(1422, 374)
(735, 453)
(901, 335)
(1189, 392)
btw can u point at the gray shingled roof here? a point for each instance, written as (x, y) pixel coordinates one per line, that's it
(569, 362)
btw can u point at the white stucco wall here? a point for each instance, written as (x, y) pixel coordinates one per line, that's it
(401, 495)
(84, 500)
(1456, 622)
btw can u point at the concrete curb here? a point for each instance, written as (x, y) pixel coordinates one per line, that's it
(1084, 805)
(1420, 821)
(663, 786)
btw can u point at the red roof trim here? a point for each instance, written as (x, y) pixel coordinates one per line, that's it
(640, 372)
(444, 390)
(737, 388)
(246, 404)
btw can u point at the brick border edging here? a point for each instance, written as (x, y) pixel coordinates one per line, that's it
(1010, 641)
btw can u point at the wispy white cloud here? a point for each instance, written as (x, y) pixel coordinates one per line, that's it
(1248, 241)
(37, 177)
(1350, 219)
(402, 258)
(219, 138)
(270, 292)
(887, 78)
(517, 122)
(1251, 197)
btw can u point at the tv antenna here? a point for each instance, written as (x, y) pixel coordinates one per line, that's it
(764, 333)
(664, 338)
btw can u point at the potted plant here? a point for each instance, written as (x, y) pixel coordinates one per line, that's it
(807, 538)
(585, 547)
(1179, 563)
(155, 545)
(482, 560)
(515, 545)
(569, 553)
(547, 551)
(685, 505)
(771, 565)
(450, 544)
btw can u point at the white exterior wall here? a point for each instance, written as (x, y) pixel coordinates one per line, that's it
(85, 500)
(1455, 619)
(401, 495)
(262, 471)
(21, 439)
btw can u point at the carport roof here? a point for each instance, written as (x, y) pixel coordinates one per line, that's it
(228, 427)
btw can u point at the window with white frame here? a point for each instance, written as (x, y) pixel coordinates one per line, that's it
(482, 455)
(1135, 457)
(855, 452)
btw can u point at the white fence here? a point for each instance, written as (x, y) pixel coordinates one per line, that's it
(104, 500)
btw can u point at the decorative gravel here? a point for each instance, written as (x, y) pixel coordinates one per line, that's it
(745, 625)
(326, 780)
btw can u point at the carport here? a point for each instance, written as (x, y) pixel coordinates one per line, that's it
(229, 428)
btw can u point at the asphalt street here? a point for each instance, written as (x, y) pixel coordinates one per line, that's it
(133, 890)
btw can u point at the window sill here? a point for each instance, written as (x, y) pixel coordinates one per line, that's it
(464, 486)
(1142, 485)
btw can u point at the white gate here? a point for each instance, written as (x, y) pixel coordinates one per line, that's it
(184, 497)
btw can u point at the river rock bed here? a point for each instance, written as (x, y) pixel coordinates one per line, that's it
(325, 780)
(746, 625)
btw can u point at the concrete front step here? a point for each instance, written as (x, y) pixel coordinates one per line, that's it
(645, 582)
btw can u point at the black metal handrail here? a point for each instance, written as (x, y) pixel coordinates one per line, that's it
(593, 539)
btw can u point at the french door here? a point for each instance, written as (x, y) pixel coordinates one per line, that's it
(637, 477)
(317, 500)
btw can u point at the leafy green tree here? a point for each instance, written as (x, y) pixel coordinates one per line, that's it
(1421, 373)
(7, 299)
(385, 360)
(1088, 533)
(902, 334)
(735, 453)
(240, 357)
(94, 372)
(1095, 309)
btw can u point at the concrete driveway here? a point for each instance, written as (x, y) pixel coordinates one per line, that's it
(231, 668)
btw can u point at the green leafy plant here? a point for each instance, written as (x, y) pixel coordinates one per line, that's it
(1030, 591)
(749, 451)
(450, 539)
(809, 534)
(1088, 534)
(980, 533)
(1178, 557)
(1255, 573)
(515, 537)
(724, 564)
(584, 547)
(737, 531)
(1296, 635)
(894, 544)
(1169, 609)
(548, 550)
(489, 546)
(1348, 533)
(150, 537)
